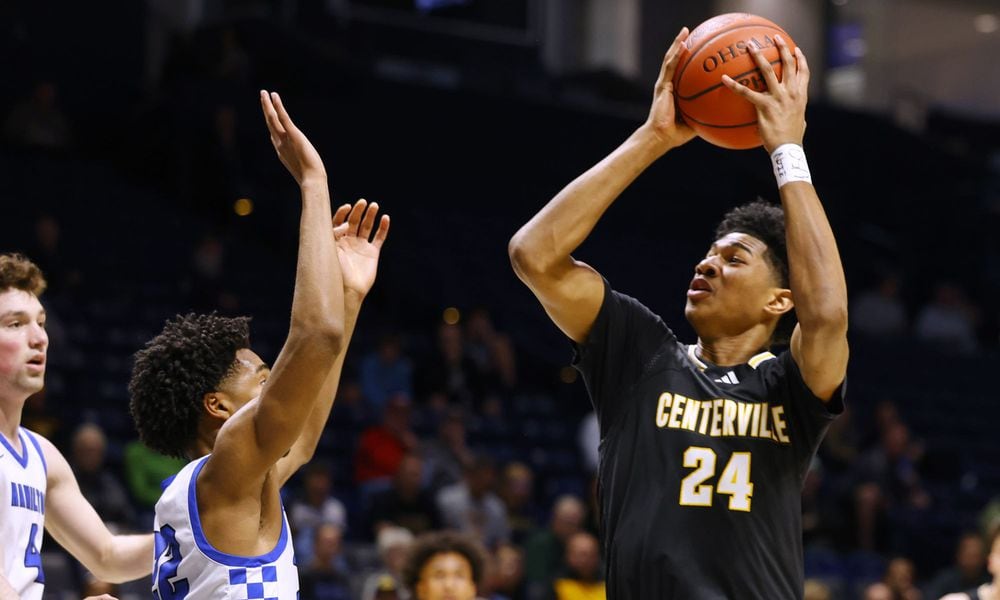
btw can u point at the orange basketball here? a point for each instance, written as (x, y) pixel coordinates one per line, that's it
(716, 47)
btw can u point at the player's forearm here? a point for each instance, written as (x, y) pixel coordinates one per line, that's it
(815, 271)
(318, 301)
(305, 447)
(125, 558)
(564, 223)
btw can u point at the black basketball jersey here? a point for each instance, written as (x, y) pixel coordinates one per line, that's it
(701, 466)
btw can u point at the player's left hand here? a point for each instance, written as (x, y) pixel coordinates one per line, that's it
(357, 250)
(781, 110)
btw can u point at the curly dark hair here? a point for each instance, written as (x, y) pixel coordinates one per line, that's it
(19, 273)
(766, 222)
(188, 359)
(429, 545)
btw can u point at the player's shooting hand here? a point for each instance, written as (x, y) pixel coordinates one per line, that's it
(663, 119)
(292, 146)
(781, 110)
(357, 250)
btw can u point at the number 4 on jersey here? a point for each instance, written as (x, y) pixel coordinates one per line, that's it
(734, 481)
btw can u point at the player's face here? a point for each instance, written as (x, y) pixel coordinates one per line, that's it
(247, 380)
(734, 288)
(446, 576)
(23, 343)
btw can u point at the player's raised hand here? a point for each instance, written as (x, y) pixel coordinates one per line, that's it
(293, 147)
(663, 119)
(781, 110)
(357, 249)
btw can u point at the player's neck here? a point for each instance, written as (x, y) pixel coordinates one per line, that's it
(10, 416)
(730, 351)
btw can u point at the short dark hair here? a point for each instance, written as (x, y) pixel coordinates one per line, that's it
(191, 357)
(766, 222)
(19, 273)
(429, 545)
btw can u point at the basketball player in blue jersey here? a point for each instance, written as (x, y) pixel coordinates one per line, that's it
(199, 392)
(37, 488)
(704, 447)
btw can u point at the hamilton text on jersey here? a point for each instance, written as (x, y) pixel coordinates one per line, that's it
(722, 417)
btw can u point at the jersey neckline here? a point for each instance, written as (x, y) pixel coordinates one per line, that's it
(753, 362)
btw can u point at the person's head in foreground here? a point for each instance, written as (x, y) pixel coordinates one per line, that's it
(190, 379)
(444, 566)
(742, 283)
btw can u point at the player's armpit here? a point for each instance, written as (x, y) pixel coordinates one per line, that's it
(571, 292)
(822, 358)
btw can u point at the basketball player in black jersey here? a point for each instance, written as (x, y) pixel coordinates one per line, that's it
(704, 447)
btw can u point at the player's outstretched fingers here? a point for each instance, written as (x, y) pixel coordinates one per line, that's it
(383, 231)
(765, 68)
(271, 116)
(279, 107)
(368, 223)
(341, 215)
(670, 60)
(789, 70)
(802, 69)
(354, 219)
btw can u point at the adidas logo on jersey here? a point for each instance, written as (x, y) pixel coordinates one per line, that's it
(729, 378)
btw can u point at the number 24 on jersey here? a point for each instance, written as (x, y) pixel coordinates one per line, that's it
(733, 482)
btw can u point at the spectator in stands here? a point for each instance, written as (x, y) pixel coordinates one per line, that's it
(491, 351)
(987, 591)
(878, 312)
(900, 576)
(842, 443)
(313, 507)
(317, 504)
(444, 566)
(382, 447)
(405, 504)
(393, 544)
(385, 372)
(97, 483)
(472, 507)
(949, 320)
(545, 552)
(517, 492)
(326, 576)
(888, 481)
(508, 573)
(447, 456)
(581, 579)
(38, 121)
(968, 572)
(145, 470)
(450, 372)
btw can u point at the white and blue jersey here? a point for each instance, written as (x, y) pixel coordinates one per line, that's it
(186, 566)
(22, 513)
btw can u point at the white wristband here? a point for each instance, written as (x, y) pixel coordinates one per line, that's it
(790, 164)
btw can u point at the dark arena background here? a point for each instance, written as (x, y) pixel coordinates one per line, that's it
(135, 169)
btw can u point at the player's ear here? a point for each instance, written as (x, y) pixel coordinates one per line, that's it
(218, 405)
(780, 302)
